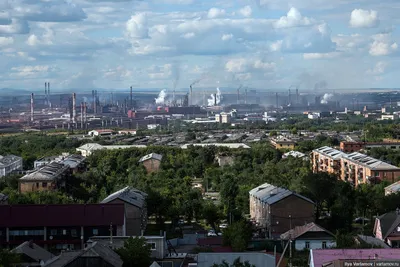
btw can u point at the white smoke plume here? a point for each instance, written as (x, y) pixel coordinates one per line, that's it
(161, 97)
(215, 98)
(326, 98)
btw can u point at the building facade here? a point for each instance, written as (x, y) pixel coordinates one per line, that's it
(278, 210)
(281, 142)
(151, 162)
(327, 159)
(9, 164)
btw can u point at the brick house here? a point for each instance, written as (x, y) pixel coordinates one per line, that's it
(277, 210)
(151, 162)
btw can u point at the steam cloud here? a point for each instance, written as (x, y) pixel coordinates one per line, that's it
(161, 97)
(215, 99)
(326, 98)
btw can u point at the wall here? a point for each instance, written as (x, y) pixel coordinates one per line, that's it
(25, 187)
(151, 165)
(314, 244)
(133, 219)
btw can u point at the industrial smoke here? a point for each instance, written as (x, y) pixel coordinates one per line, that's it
(161, 97)
(326, 98)
(215, 98)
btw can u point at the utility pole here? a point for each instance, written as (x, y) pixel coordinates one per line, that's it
(111, 234)
(290, 241)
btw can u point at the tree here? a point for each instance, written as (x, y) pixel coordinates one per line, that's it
(135, 253)
(237, 235)
(8, 259)
(236, 263)
(211, 214)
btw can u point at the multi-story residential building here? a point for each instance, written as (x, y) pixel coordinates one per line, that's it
(278, 210)
(9, 164)
(349, 147)
(135, 209)
(358, 168)
(327, 159)
(58, 227)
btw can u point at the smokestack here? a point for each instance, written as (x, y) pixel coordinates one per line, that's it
(191, 96)
(93, 100)
(131, 104)
(290, 101)
(215, 100)
(32, 103)
(73, 108)
(277, 104)
(45, 93)
(85, 113)
(245, 96)
(238, 96)
(48, 89)
(82, 115)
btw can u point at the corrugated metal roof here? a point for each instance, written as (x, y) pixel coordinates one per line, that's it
(130, 195)
(271, 194)
(8, 160)
(49, 172)
(370, 162)
(229, 145)
(151, 156)
(330, 152)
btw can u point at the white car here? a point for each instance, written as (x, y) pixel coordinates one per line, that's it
(211, 233)
(223, 226)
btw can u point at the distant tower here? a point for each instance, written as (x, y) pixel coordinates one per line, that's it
(245, 96)
(277, 100)
(131, 95)
(45, 93)
(73, 108)
(290, 100)
(297, 95)
(32, 108)
(191, 96)
(82, 114)
(238, 96)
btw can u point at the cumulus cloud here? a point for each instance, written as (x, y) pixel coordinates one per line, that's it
(160, 72)
(246, 11)
(136, 27)
(378, 69)
(360, 18)
(240, 65)
(321, 55)
(6, 41)
(15, 27)
(28, 71)
(215, 13)
(293, 19)
(382, 45)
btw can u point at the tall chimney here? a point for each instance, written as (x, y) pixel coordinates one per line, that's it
(297, 95)
(290, 100)
(48, 94)
(85, 113)
(131, 104)
(73, 108)
(45, 93)
(191, 96)
(32, 103)
(94, 100)
(82, 115)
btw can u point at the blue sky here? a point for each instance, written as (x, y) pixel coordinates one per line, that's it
(263, 44)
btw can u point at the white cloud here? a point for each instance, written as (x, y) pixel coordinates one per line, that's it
(160, 72)
(382, 45)
(6, 41)
(360, 18)
(15, 27)
(226, 37)
(246, 11)
(28, 71)
(321, 55)
(242, 65)
(293, 19)
(378, 69)
(276, 46)
(118, 73)
(136, 27)
(215, 13)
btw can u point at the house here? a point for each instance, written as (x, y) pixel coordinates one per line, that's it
(3, 199)
(228, 145)
(278, 209)
(392, 189)
(59, 227)
(295, 154)
(88, 149)
(158, 244)
(135, 208)
(387, 228)
(327, 159)
(350, 257)
(104, 132)
(310, 236)
(281, 142)
(95, 254)
(48, 178)
(32, 254)
(254, 258)
(127, 132)
(9, 164)
(225, 160)
(151, 162)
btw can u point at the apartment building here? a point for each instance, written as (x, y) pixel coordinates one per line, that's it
(58, 227)
(358, 168)
(9, 164)
(327, 159)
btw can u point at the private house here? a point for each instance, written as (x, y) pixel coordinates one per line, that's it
(358, 168)
(278, 209)
(59, 227)
(158, 244)
(9, 164)
(310, 236)
(295, 154)
(327, 159)
(387, 228)
(392, 189)
(281, 142)
(338, 257)
(32, 254)
(46, 160)
(135, 209)
(48, 178)
(254, 258)
(76, 163)
(88, 149)
(95, 254)
(151, 162)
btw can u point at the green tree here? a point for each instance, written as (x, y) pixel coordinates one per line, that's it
(8, 259)
(237, 235)
(211, 214)
(135, 253)
(236, 263)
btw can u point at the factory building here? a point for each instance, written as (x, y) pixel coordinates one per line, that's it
(9, 164)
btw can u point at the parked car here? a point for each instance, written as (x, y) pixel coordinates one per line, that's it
(211, 233)
(181, 221)
(223, 225)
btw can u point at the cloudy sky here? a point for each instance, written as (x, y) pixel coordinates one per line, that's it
(263, 44)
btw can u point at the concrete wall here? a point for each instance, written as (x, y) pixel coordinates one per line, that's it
(152, 165)
(133, 219)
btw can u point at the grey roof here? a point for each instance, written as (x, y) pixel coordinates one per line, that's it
(393, 188)
(373, 241)
(49, 172)
(389, 221)
(7, 160)
(330, 152)
(257, 259)
(94, 250)
(73, 161)
(90, 147)
(130, 195)
(271, 194)
(298, 231)
(33, 251)
(295, 154)
(151, 156)
(229, 145)
(3, 197)
(370, 162)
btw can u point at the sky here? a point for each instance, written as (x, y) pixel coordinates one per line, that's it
(261, 44)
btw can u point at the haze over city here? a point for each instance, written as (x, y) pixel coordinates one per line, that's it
(163, 44)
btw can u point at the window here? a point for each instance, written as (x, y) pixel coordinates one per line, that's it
(64, 232)
(37, 185)
(323, 244)
(307, 245)
(44, 184)
(95, 231)
(152, 245)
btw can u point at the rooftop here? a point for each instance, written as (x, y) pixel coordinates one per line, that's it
(298, 231)
(229, 145)
(95, 146)
(371, 163)
(271, 194)
(130, 195)
(7, 160)
(395, 187)
(49, 172)
(33, 251)
(330, 152)
(151, 156)
(295, 154)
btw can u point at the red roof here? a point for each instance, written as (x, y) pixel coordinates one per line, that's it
(61, 215)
